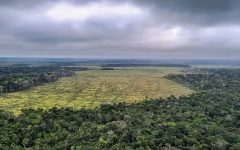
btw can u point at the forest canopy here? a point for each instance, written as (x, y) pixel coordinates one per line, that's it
(208, 119)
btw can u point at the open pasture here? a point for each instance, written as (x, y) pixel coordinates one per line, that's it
(91, 88)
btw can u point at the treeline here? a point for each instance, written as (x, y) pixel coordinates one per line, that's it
(107, 68)
(224, 79)
(145, 65)
(208, 119)
(14, 78)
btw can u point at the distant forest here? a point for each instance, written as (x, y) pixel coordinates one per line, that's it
(145, 65)
(208, 119)
(20, 77)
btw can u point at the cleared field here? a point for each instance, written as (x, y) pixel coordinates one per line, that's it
(91, 88)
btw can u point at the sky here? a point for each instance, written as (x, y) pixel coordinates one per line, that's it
(154, 29)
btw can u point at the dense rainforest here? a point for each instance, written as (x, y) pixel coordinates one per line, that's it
(208, 119)
(20, 77)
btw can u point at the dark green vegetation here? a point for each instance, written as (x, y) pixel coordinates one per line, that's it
(145, 65)
(107, 68)
(211, 79)
(21, 77)
(208, 119)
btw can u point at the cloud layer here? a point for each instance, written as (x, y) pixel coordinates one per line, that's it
(121, 29)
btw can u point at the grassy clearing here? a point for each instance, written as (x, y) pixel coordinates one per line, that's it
(91, 88)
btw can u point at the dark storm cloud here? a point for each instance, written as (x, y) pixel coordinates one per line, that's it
(197, 12)
(126, 28)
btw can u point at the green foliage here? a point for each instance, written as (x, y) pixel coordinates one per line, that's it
(208, 119)
(211, 79)
(15, 78)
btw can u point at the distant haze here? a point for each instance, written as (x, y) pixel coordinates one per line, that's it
(151, 29)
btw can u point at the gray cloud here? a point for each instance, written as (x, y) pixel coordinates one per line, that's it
(127, 28)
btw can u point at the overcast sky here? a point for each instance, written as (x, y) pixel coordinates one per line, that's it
(170, 29)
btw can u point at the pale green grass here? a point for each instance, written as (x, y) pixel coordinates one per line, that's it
(91, 88)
